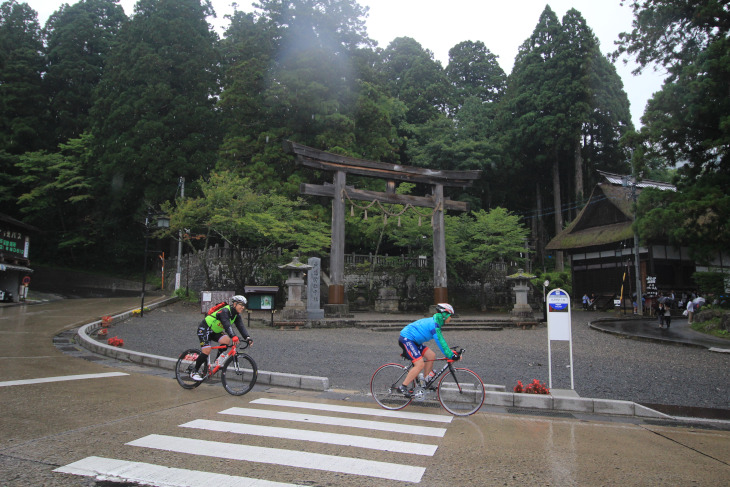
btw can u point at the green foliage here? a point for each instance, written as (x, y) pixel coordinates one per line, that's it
(697, 217)
(251, 222)
(22, 103)
(709, 284)
(79, 38)
(59, 197)
(557, 280)
(686, 122)
(414, 77)
(474, 72)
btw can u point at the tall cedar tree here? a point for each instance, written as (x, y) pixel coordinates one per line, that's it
(79, 38)
(295, 71)
(562, 97)
(23, 114)
(154, 116)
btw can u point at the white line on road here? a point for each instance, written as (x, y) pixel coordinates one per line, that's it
(334, 421)
(110, 469)
(291, 458)
(314, 436)
(440, 418)
(59, 379)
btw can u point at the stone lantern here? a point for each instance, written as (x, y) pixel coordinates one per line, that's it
(521, 287)
(294, 308)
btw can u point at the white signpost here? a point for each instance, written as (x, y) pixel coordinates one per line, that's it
(559, 327)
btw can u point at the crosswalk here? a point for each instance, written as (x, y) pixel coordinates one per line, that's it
(382, 430)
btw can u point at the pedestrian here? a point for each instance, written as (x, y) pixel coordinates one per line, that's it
(667, 316)
(585, 302)
(660, 313)
(690, 311)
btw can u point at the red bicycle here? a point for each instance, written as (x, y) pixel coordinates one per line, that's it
(238, 370)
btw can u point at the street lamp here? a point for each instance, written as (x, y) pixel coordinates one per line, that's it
(163, 221)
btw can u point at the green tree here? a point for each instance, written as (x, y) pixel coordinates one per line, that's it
(293, 72)
(233, 211)
(23, 114)
(153, 117)
(564, 111)
(473, 71)
(480, 239)
(686, 122)
(60, 200)
(415, 78)
(79, 38)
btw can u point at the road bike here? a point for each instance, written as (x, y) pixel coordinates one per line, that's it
(238, 370)
(460, 391)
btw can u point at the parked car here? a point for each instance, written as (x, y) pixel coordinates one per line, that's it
(6, 295)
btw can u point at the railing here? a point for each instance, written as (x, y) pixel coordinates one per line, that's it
(386, 260)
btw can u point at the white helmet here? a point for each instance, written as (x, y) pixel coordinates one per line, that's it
(445, 308)
(239, 299)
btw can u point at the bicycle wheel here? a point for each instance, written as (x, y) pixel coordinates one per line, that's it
(461, 392)
(239, 374)
(185, 366)
(384, 386)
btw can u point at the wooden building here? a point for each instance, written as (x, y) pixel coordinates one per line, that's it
(600, 246)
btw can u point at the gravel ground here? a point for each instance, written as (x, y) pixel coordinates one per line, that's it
(606, 366)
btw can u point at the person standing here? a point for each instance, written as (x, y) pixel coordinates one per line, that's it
(690, 311)
(667, 316)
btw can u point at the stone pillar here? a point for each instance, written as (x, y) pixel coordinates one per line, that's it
(313, 310)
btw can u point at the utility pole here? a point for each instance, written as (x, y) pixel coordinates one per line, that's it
(631, 184)
(181, 184)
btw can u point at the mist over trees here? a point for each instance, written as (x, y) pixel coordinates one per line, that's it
(103, 113)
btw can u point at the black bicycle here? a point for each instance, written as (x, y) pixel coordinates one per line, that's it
(238, 370)
(459, 390)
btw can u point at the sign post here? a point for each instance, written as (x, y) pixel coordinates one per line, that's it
(559, 327)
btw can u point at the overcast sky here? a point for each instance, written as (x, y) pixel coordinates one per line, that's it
(438, 25)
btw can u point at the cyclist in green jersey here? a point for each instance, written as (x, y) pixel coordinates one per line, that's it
(217, 327)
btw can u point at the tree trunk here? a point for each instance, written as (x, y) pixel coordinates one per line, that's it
(559, 266)
(578, 172)
(539, 227)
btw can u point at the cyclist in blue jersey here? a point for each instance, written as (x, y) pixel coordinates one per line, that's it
(413, 337)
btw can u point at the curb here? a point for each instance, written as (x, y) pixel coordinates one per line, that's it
(493, 397)
(278, 379)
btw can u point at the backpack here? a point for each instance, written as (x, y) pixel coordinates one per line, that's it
(215, 308)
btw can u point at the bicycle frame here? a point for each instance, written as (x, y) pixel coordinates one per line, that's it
(214, 366)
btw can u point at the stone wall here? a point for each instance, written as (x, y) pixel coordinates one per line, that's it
(403, 287)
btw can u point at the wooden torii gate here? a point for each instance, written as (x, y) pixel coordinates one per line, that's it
(342, 165)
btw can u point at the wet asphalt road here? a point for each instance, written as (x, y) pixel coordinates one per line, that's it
(606, 366)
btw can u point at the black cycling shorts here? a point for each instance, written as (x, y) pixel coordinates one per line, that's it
(206, 335)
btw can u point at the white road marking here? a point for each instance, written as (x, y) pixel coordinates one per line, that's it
(110, 469)
(291, 458)
(314, 436)
(440, 418)
(334, 421)
(59, 379)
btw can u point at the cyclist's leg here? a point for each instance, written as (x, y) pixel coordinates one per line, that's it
(203, 333)
(414, 351)
(429, 356)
